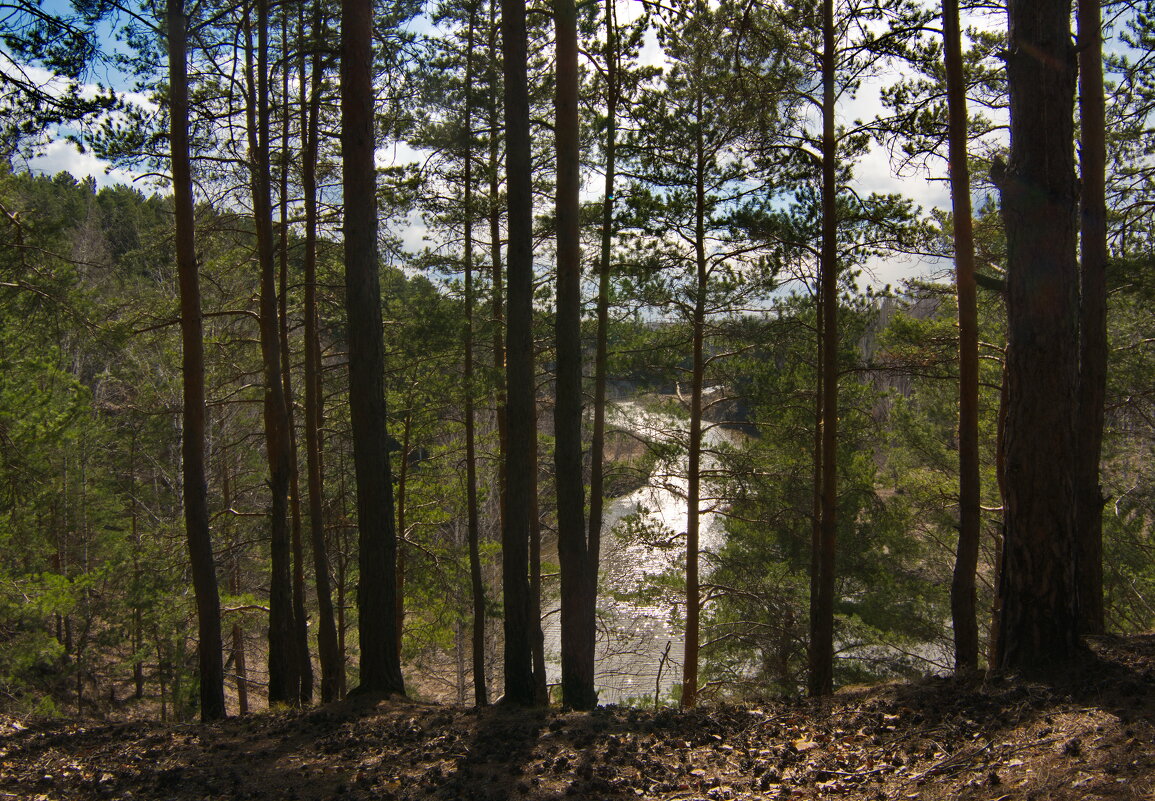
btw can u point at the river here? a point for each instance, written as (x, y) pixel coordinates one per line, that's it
(640, 631)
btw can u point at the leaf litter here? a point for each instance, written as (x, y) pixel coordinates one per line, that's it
(1089, 736)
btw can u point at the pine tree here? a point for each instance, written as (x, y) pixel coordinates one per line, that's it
(377, 591)
(1092, 317)
(963, 613)
(578, 582)
(520, 424)
(1038, 624)
(212, 697)
(284, 669)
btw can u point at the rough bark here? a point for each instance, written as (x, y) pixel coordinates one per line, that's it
(519, 686)
(962, 595)
(577, 619)
(209, 643)
(1089, 498)
(377, 536)
(1039, 613)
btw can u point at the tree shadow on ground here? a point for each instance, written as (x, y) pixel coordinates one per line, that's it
(493, 767)
(1113, 674)
(265, 756)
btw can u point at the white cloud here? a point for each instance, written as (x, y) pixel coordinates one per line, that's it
(398, 154)
(56, 86)
(60, 155)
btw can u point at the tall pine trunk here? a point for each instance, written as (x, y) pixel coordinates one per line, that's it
(473, 524)
(377, 535)
(300, 618)
(284, 671)
(196, 514)
(328, 649)
(1039, 610)
(821, 681)
(1092, 318)
(497, 280)
(519, 685)
(601, 346)
(497, 299)
(694, 456)
(578, 626)
(962, 595)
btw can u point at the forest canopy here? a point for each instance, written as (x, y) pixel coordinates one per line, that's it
(598, 393)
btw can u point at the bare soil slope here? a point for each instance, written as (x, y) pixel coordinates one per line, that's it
(1090, 736)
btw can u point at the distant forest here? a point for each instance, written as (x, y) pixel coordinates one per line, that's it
(632, 421)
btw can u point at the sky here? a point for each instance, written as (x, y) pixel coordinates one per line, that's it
(873, 173)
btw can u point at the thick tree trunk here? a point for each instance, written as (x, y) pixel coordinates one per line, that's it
(578, 629)
(284, 671)
(962, 596)
(1039, 623)
(519, 686)
(822, 623)
(328, 650)
(209, 644)
(376, 589)
(1092, 319)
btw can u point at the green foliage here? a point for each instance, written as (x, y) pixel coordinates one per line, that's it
(892, 604)
(1129, 509)
(81, 512)
(61, 39)
(718, 214)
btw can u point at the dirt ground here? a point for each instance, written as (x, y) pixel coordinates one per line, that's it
(1092, 736)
